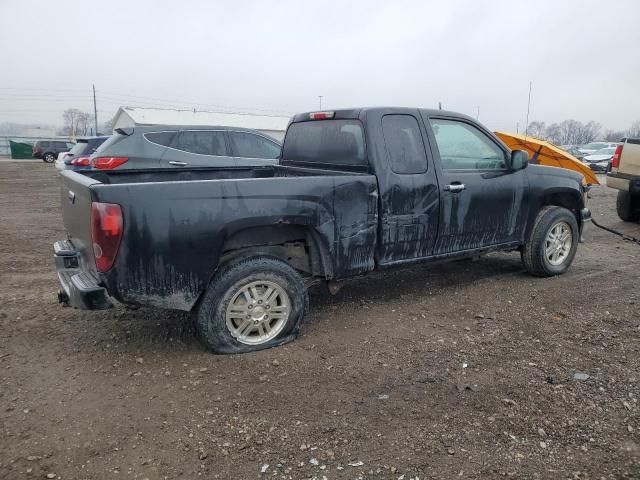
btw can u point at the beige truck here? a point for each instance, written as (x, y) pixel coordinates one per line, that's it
(625, 177)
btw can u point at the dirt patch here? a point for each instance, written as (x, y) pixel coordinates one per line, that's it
(464, 370)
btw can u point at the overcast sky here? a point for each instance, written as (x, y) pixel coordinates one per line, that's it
(583, 57)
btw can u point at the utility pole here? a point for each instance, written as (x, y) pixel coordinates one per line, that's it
(95, 108)
(517, 127)
(526, 127)
(478, 114)
(439, 105)
(320, 97)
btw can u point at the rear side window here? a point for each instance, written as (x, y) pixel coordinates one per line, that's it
(60, 144)
(202, 142)
(253, 146)
(337, 142)
(405, 147)
(161, 138)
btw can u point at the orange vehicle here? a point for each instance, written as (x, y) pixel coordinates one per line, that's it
(544, 153)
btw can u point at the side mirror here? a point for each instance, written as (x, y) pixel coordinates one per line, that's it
(519, 159)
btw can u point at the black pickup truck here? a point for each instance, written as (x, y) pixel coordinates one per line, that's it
(355, 190)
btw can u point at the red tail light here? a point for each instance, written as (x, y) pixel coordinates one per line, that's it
(615, 161)
(108, 163)
(106, 233)
(81, 162)
(321, 115)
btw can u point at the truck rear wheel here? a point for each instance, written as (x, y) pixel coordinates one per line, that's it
(251, 304)
(627, 206)
(552, 244)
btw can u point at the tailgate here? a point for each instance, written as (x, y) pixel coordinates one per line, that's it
(76, 212)
(630, 158)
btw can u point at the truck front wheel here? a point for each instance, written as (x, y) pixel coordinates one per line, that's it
(251, 304)
(627, 206)
(552, 243)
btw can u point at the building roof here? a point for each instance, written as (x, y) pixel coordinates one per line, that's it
(161, 116)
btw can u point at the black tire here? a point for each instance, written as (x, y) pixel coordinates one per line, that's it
(210, 315)
(48, 157)
(626, 206)
(533, 253)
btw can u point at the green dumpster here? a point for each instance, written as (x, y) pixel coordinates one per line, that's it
(21, 150)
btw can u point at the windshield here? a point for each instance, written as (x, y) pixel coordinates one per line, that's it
(79, 148)
(605, 151)
(338, 142)
(594, 146)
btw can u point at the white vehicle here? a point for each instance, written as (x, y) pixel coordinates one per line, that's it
(599, 161)
(593, 147)
(59, 163)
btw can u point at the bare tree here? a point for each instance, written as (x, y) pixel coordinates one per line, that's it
(536, 129)
(84, 123)
(634, 131)
(107, 127)
(590, 132)
(614, 135)
(76, 122)
(553, 134)
(573, 132)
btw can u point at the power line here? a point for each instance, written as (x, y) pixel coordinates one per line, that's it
(186, 102)
(42, 89)
(40, 96)
(58, 94)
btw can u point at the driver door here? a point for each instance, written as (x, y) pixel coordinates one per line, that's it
(482, 201)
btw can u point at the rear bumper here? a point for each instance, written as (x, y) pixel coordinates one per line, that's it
(80, 288)
(620, 181)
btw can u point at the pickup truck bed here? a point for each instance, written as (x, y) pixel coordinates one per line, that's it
(355, 190)
(173, 217)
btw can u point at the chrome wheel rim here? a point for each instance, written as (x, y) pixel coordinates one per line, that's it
(258, 312)
(558, 243)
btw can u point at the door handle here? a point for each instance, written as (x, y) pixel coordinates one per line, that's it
(180, 164)
(455, 187)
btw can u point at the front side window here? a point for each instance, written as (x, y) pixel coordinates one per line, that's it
(465, 147)
(331, 142)
(405, 147)
(249, 145)
(202, 142)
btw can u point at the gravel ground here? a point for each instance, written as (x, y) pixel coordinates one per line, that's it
(460, 370)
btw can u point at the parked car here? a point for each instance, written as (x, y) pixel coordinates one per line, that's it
(573, 150)
(599, 161)
(625, 177)
(78, 157)
(179, 147)
(48, 150)
(355, 191)
(593, 147)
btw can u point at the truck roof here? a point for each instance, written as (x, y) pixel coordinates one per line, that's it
(355, 113)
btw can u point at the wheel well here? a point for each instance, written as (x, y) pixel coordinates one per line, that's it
(566, 200)
(295, 244)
